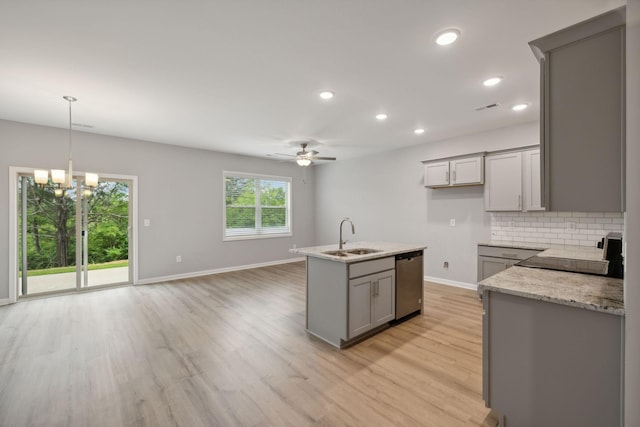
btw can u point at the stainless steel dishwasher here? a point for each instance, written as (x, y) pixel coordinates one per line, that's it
(409, 283)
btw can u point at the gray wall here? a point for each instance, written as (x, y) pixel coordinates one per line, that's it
(632, 278)
(180, 191)
(384, 196)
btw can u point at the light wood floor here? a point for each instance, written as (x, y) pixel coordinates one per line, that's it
(230, 350)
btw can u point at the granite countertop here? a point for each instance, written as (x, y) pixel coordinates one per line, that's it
(384, 249)
(585, 259)
(599, 293)
(586, 253)
(517, 245)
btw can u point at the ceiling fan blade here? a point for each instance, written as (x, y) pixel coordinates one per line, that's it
(281, 155)
(323, 158)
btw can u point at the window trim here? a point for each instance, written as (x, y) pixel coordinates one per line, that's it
(234, 174)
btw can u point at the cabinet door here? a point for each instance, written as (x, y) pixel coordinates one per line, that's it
(531, 181)
(488, 266)
(360, 296)
(467, 171)
(384, 301)
(436, 174)
(503, 185)
(583, 116)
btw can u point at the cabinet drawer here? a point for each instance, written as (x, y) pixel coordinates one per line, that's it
(369, 267)
(506, 252)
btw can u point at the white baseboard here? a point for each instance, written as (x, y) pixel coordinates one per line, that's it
(4, 301)
(216, 271)
(464, 285)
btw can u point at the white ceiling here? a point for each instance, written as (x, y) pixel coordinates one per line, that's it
(243, 76)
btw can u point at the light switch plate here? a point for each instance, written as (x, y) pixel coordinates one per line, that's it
(452, 222)
(147, 222)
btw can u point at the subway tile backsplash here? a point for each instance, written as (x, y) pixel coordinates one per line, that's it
(564, 228)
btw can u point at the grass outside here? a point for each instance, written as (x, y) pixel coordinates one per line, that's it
(71, 269)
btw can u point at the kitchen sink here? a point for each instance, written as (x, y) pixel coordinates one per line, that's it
(362, 251)
(347, 252)
(336, 253)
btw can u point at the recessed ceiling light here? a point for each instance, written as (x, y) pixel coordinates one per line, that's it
(418, 131)
(448, 36)
(327, 94)
(519, 107)
(492, 81)
(381, 116)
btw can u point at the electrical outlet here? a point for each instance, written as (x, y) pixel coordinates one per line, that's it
(179, 258)
(147, 222)
(446, 264)
(452, 222)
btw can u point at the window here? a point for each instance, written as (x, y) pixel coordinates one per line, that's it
(256, 206)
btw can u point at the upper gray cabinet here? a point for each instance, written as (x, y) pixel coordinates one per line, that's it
(583, 115)
(451, 172)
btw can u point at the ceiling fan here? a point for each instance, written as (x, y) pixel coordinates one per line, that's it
(304, 157)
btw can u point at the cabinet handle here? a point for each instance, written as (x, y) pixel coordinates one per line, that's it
(446, 176)
(519, 201)
(454, 176)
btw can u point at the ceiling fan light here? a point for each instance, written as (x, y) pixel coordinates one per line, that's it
(303, 161)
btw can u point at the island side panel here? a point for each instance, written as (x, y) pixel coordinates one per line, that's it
(327, 299)
(551, 364)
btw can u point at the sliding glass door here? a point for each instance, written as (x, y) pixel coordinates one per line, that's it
(74, 242)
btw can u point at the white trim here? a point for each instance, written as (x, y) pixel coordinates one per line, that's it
(13, 230)
(217, 271)
(472, 286)
(4, 301)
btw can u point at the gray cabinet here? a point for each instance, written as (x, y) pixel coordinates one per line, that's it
(494, 259)
(503, 191)
(371, 302)
(582, 115)
(531, 195)
(347, 300)
(513, 181)
(468, 170)
(547, 364)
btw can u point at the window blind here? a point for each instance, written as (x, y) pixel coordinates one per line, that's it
(256, 206)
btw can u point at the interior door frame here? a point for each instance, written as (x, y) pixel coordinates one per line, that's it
(14, 172)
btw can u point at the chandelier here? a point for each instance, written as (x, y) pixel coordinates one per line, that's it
(61, 181)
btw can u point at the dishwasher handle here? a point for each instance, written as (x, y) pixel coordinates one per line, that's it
(409, 256)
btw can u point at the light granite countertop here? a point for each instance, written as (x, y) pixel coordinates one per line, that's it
(593, 292)
(589, 259)
(517, 245)
(599, 293)
(384, 249)
(586, 253)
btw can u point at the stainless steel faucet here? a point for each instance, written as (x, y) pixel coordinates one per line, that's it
(353, 231)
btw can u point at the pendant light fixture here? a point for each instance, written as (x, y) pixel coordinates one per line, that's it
(60, 180)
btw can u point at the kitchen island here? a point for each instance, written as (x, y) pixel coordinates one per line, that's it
(351, 292)
(552, 344)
